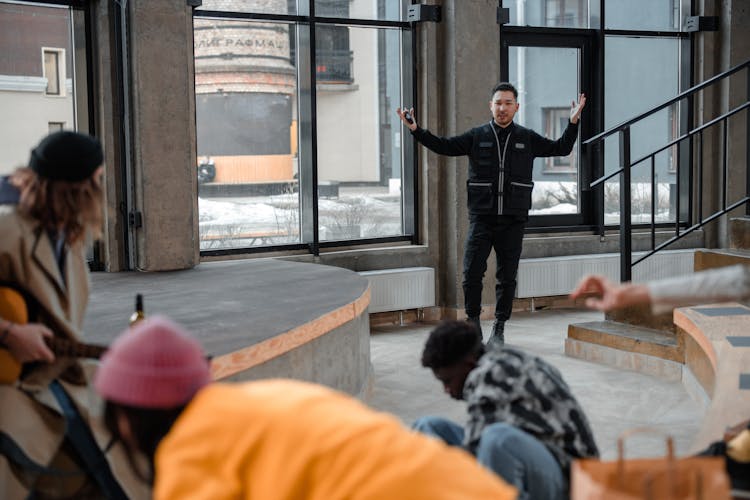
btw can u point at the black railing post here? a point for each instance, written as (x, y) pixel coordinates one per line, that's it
(747, 143)
(724, 162)
(625, 208)
(700, 178)
(654, 196)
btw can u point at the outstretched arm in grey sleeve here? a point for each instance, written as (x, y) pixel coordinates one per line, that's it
(716, 285)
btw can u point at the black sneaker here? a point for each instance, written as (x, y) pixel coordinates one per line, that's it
(474, 320)
(497, 339)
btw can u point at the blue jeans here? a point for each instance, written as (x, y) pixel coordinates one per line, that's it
(519, 458)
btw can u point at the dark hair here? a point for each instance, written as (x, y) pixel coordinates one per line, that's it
(148, 426)
(450, 342)
(505, 86)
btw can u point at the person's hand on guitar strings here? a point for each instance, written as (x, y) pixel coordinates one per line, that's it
(26, 342)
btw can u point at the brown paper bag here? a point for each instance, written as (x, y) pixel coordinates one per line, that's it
(667, 478)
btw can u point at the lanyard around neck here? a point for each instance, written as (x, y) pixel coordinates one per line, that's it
(500, 156)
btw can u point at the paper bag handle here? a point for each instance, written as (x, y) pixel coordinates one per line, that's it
(640, 430)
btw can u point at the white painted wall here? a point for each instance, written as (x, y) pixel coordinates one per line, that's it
(26, 113)
(348, 143)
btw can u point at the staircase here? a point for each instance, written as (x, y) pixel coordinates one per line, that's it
(636, 340)
(633, 338)
(627, 347)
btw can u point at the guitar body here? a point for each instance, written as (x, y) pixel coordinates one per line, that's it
(12, 308)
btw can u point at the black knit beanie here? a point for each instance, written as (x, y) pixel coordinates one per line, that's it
(67, 156)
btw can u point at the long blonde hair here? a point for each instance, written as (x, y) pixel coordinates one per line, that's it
(73, 207)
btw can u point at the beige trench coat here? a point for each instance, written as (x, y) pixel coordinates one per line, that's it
(27, 259)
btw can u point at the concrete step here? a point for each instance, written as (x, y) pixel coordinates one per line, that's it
(641, 317)
(720, 257)
(631, 338)
(627, 347)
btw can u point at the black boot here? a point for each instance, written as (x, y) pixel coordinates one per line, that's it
(474, 320)
(497, 339)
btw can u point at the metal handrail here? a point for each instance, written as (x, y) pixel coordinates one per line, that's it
(678, 98)
(693, 132)
(692, 228)
(626, 165)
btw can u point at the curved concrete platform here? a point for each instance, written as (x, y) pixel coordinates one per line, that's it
(257, 318)
(709, 354)
(717, 353)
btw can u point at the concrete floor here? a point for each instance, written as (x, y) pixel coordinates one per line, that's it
(614, 400)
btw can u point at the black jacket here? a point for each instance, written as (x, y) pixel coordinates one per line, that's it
(480, 145)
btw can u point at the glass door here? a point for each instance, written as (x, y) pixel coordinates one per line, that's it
(550, 71)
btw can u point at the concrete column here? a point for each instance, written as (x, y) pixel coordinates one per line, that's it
(164, 151)
(105, 61)
(736, 51)
(459, 63)
(716, 52)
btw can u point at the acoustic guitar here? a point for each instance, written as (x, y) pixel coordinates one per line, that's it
(13, 308)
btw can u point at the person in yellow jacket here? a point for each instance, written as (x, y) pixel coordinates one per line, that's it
(267, 440)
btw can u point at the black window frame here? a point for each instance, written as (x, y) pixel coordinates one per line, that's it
(592, 202)
(584, 40)
(85, 114)
(309, 191)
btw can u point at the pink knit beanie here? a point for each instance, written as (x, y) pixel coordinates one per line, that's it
(156, 364)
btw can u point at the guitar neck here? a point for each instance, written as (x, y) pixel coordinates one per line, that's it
(73, 349)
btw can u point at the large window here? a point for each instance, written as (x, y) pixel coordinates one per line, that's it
(38, 93)
(645, 15)
(547, 79)
(44, 79)
(246, 120)
(283, 162)
(648, 74)
(359, 158)
(637, 59)
(550, 13)
(566, 13)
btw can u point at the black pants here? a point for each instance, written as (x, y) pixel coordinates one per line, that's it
(504, 233)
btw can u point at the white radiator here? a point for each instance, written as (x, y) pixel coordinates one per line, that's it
(401, 289)
(551, 276)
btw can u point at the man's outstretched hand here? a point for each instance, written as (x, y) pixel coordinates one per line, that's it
(402, 113)
(575, 109)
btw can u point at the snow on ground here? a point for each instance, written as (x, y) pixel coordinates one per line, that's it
(371, 212)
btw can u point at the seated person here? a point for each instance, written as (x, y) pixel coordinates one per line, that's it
(270, 439)
(524, 423)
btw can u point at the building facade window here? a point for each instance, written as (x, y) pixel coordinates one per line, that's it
(54, 71)
(334, 60)
(55, 126)
(566, 13)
